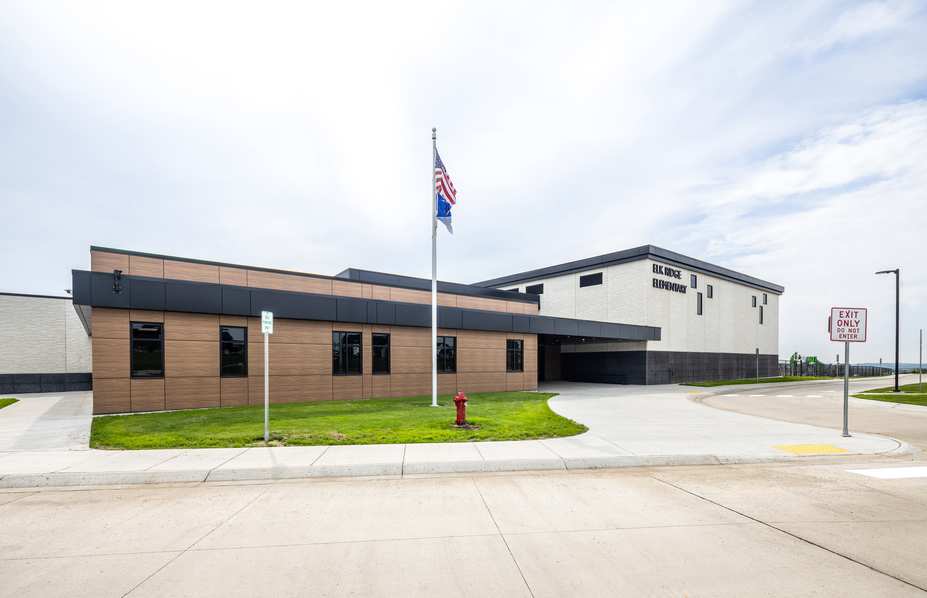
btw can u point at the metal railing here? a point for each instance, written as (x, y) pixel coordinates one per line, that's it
(831, 369)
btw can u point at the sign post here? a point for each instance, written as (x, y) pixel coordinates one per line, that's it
(267, 328)
(849, 325)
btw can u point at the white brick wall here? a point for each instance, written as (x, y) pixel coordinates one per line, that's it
(40, 335)
(729, 324)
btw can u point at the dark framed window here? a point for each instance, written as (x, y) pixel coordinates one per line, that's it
(537, 289)
(514, 355)
(765, 299)
(590, 280)
(346, 353)
(693, 281)
(380, 353)
(233, 351)
(447, 354)
(698, 306)
(761, 314)
(710, 290)
(147, 346)
(754, 301)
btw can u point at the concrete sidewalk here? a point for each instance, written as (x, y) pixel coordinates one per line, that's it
(629, 426)
(46, 421)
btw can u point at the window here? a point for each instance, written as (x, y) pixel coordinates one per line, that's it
(514, 355)
(447, 354)
(698, 306)
(233, 351)
(711, 291)
(693, 281)
(765, 299)
(346, 353)
(589, 280)
(380, 353)
(147, 349)
(537, 289)
(754, 301)
(761, 314)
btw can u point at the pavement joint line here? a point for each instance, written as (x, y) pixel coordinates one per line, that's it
(324, 451)
(16, 500)
(51, 557)
(480, 453)
(376, 540)
(446, 536)
(171, 458)
(402, 462)
(235, 456)
(195, 542)
(793, 535)
(212, 469)
(502, 535)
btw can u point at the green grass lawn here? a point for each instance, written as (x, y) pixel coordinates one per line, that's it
(909, 394)
(7, 402)
(500, 416)
(709, 383)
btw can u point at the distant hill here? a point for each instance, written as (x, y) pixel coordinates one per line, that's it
(891, 364)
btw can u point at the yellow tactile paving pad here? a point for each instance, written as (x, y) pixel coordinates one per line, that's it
(810, 449)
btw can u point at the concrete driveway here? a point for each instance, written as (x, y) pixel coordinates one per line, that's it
(665, 420)
(46, 422)
(821, 404)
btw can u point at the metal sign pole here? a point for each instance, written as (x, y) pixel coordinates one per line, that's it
(846, 389)
(267, 328)
(266, 390)
(920, 364)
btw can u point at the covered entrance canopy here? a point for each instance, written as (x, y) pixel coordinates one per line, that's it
(592, 359)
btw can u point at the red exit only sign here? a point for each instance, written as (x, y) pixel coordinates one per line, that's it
(848, 324)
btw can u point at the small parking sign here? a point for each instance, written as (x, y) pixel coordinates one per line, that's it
(267, 322)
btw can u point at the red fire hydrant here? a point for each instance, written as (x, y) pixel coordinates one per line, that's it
(460, 400)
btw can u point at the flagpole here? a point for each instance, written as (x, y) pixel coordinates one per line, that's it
(434, 271)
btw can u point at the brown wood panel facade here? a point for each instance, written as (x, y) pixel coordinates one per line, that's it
(300, 363)
(102, 261)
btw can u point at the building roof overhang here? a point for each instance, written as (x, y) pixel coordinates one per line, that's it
(97, 290)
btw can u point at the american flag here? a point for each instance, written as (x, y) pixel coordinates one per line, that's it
(445, 193)
(443, 184)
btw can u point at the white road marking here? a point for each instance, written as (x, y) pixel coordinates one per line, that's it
(892, 473)
(756, 395)
(812, 396)
(783, 396)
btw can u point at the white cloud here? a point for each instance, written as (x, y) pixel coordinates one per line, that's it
(859, 22)
(297, 135)
(823, 216)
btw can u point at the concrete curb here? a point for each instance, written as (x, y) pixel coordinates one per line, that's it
(394, 469)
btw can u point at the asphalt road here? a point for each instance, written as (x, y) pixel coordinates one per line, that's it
(821, 404)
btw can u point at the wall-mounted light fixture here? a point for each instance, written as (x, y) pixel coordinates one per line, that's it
(117, 281)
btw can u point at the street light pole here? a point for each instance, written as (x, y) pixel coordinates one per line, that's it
(897, 273)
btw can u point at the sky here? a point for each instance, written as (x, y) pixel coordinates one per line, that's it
(783, 140)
